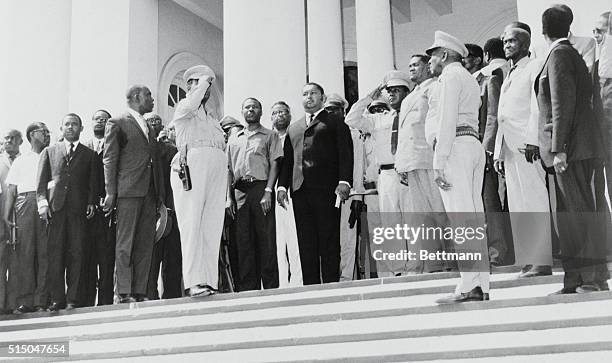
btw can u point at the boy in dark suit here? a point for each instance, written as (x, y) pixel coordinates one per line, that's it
(67, 190)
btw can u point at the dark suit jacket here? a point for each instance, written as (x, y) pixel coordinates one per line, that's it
(564, 92)
(317, 156)
(130, 160)
(74, 183)
(490, 88)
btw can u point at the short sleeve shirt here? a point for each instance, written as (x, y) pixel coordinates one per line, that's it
(23, 172)
(250, 153)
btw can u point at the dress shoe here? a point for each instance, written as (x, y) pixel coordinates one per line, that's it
(125, 298)
(475, 295)
(536, 271)
(54, 307)
(585, 289)
(71, 306)
(22, 310)
(564, 291)
(39, 309)
(140, 297)
(200, 291)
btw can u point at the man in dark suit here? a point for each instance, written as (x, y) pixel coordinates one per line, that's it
(99, 255)
(571, 144)
(67, 191)
(318, 167)
(134, 185)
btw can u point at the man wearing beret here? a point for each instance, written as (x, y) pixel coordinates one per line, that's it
(459, 159)
(384, 128)
(570, 142)
(200, 210)
(134, 184)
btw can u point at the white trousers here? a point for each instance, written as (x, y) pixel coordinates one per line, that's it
(200, 212)
(527, 192)
(389, 189)
(287, 250)
(465, 172)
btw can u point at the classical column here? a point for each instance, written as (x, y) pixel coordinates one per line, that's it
(374, 42)
(113, 45)
(325, 56)
(34, 66)
(264, 54)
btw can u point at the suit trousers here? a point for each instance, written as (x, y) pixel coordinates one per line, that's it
(167, 254)
(606, 97)
(582, 233)
(135, 238)
(99, 261)
(30, 255)
(389, 188)
(499, 235)
(200, 213)
(66, 239)
(287, 249)
(464, 171)
(318, 228)
(529, 209)
(5, 250)
(422, 203)
(255, 239)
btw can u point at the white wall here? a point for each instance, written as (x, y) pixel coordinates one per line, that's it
(34, 64)
(585, 15)
(180, 31)
(472, 21)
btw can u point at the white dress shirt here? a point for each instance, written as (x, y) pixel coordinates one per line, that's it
(74, 145)
(23, 172)
(141, 122)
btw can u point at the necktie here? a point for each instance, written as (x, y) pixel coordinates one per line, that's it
(309, 119)
(71, 151)
(511, 69)
(394, 134)
(12, 158)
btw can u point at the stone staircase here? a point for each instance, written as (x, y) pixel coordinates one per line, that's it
(390, 319)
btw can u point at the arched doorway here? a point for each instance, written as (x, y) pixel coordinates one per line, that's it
(172, 88)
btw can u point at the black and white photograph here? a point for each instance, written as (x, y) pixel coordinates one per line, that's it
(306, 180)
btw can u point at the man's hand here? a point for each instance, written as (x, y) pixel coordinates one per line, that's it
(532, 153)
(343, 191)
(560, 163)
(499, 167)
(44, 213)
(266, 202)
(403, 178)
(91, 211)
(282, 198)
(441, 181)
(376, 92)
(9, 224)
(230, 208)
(109, 203)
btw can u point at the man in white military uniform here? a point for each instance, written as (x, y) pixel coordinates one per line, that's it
(384, 129)
(419, 194)
(517, 156)
(199, 211)
(459, 157)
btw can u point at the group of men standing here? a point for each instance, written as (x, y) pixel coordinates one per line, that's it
(452, 140)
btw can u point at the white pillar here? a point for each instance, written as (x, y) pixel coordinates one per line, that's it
(325, 56)
(34, 65)
(113, 46)
(264, 54)
(374, 42)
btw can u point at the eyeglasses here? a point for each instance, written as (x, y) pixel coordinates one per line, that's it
(278, 112)
(44, 132)
(599, 31)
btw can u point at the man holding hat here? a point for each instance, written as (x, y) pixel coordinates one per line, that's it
(200, 209)
(384, 129)
(459, 159)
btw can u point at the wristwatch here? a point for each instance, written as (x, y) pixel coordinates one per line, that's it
(268, 189)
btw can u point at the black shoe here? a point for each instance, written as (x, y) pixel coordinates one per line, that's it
(126, 298)
(71, 306)
(140, 297)
(564, 291)
(54, 307)
(22, 310)
(39, 309)
(475, 295)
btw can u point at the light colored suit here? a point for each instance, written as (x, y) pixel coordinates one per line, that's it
(525, 182)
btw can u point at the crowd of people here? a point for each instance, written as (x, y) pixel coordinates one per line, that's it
(520, 144)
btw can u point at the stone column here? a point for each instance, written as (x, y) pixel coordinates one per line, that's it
(325, 55)
(113, 45)
(264, 54)
(374, 42)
